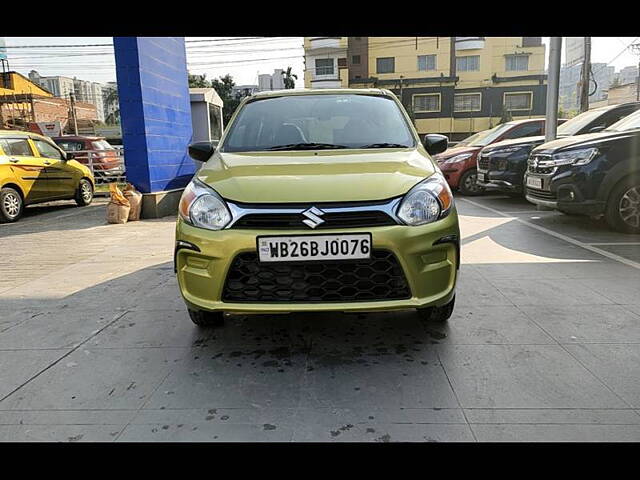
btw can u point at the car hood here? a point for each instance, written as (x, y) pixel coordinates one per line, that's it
(315, 176)
(452, 152)
(587, 140)
(514, 141)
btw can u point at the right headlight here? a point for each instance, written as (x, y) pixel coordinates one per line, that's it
(201, 206)
(427, 202)
(574, 157)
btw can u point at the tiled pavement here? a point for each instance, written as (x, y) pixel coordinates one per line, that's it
(544, 344)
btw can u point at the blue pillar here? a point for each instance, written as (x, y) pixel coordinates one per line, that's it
(155, 111)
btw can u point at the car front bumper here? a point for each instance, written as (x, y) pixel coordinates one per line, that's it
(429, 256)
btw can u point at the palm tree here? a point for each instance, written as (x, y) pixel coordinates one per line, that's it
(289, 78)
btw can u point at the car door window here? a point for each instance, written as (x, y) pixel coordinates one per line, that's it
(18, 147)
(47, 150)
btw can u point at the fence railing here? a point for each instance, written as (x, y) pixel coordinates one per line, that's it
(107, 166)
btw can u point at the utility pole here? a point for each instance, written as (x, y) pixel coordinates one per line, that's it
(586, 70)
(553, 85)
(72, 101)
(636, 49)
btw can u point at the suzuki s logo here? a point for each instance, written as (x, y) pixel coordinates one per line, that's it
(313, 215)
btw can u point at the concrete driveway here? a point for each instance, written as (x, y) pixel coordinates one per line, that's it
(544, 344)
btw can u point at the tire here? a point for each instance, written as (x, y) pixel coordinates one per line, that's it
(11, 205)
(468, 185)
(623, 206)
(438, 314)
(206, 319)
(84, 193)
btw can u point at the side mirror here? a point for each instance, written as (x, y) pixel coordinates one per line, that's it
(435, 143)
(599, 128)
(69, 156)
(202, 151)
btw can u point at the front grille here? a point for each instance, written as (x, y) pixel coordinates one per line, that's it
(535, 167)
(331, 220)
(541, 194)
(379, 278)
(483, 162)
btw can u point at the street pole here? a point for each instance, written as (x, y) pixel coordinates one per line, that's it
(72, 101)
(553, 85)
(586, 70)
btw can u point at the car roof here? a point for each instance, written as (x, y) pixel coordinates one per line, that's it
(77, 137)
(321, 91)
(20, 133)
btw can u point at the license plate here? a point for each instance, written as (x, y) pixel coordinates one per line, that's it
(534, 182)
(314, 247)
(480, 177)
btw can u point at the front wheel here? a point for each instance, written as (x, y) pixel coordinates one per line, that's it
(623, 207)
(438, 314)
(84, 194)
(11, 205)
(203, 318)
(469, 185)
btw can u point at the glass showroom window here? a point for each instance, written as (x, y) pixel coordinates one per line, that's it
(518, 101)
(517, 63)
(426, 62)
(468, 64)
(426, 103)
(324, 66)
(467, 102)
(385, 65)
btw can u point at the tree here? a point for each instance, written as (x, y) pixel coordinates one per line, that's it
(289, 78)
(224, 87)
(506, 116)
(112, 102)
(199, 81)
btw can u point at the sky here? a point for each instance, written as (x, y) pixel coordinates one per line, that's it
(242, 57)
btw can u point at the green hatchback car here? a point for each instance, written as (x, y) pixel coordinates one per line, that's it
(318, 200)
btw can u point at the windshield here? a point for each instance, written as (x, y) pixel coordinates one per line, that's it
(627, 123)
(304, 122)
(101, 145)
(577, 123)
(484, 138)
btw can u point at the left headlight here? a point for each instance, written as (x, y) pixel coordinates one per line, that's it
(201, 206)
(574, 157)
(427, 202)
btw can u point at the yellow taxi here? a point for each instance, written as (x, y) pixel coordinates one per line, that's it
(33, 169)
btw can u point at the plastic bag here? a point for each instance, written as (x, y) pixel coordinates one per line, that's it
(135, 201)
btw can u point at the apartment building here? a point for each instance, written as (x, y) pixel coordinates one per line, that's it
(450, 85)
(268, 81)
(570, 75)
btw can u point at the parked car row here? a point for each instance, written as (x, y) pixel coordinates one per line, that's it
(592, 168)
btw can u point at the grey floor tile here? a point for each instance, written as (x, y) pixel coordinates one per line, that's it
(587, 416)
(488, 325)
(622, 291)
(205, 432)
(60, 433)
(544, 291)
(98, 379)
(381, 432)
(473, 289)
(618, 366)
(66, 417)
(17, 367)
(587, 323)
(521, 376)
(557, 433)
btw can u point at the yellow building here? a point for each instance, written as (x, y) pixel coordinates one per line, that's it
(450, 85)
(14, 83)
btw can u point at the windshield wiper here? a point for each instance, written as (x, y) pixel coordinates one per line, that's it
(384, 145)
(306, 146)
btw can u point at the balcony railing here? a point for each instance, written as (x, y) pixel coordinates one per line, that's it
(469, 43)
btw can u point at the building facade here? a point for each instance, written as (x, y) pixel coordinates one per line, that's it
(628, 75)
(268, 81)
(570, 80)
(450, 85)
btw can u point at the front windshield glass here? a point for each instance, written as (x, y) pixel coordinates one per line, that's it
(305, 122)
(630, 122)
(484, 138)
(577, 123)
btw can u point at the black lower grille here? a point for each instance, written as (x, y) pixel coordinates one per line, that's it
(483, 162)
(541, 194)
(378, 278)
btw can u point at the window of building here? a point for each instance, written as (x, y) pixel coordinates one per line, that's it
(517, 63)
(427, 102)
(426, 62)
(355, 60)
(518, 100)
(385, 65)
(467, 102)
(470, 63)
(324, 66)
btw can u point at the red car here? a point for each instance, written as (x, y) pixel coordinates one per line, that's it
(458, 164)
(104, 157)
